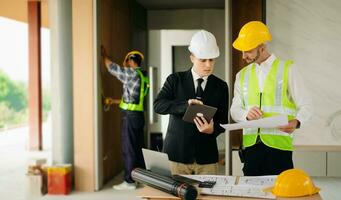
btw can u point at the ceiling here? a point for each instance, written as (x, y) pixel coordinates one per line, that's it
(181, 4)
(17, 10)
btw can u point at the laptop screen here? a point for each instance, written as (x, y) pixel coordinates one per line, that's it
(157, 162)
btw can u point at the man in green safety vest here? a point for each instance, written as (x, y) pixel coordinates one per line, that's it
(135, 88)
(267, 86)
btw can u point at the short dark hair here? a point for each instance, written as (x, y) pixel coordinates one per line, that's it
(136, 58)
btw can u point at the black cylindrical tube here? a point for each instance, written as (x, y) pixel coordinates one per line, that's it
(164, 183)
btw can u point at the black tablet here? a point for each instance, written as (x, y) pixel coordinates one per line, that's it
(195, 110)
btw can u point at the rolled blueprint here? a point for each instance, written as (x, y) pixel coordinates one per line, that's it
(164, 183)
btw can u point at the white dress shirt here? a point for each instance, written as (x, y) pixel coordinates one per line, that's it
(196, 77)
(296, 87)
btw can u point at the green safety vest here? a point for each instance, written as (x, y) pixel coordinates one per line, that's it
(144, 88)
(274, 101)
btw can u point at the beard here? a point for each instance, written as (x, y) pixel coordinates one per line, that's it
(249, 61)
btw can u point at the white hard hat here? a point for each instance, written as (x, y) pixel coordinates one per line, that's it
(204, 45)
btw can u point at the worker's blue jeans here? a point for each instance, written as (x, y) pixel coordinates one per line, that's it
(132, 138)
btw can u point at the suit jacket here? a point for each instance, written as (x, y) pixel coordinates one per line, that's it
(184, 143)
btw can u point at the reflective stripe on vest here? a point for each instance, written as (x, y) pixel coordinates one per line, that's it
(144, 88)
(275, 101)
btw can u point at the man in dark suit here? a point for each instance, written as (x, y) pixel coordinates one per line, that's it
(192, 147)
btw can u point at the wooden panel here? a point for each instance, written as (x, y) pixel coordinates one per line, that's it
(314, 163)
(83, 94)
(140, 42)
(34, 97)
(334, 164)
(116, 37)
(242, 11)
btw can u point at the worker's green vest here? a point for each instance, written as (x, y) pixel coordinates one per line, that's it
(144, 88)
(274, 101)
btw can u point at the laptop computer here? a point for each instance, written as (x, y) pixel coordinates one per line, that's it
(158, 162)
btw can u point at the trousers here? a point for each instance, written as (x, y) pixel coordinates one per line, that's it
(132, 139)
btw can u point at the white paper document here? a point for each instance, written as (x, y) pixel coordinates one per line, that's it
(251, 186)
(220, 180)
(269, 122)
(264, 181)
(239, 191)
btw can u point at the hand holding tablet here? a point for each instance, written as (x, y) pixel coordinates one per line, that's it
(197, 110)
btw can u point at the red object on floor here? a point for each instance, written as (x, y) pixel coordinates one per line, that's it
(59, 179)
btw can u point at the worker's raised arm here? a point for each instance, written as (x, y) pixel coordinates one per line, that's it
(105, 57)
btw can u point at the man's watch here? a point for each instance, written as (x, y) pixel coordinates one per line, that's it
(298, 124)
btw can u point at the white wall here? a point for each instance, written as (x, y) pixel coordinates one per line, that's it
(212, 20)
(161, 23)
(160, 51)
(308, 32)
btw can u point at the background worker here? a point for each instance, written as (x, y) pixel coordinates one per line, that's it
(192, 147)
(267, 86)
(135, 88)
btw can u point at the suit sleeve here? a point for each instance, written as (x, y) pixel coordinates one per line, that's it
(165, 102)
(222, 112)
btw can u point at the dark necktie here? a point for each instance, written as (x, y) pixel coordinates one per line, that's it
(199, 91)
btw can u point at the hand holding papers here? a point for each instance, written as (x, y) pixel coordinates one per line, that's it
(269, 122)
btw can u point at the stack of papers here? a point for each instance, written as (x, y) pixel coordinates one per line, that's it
(269, 122)
(250, 186)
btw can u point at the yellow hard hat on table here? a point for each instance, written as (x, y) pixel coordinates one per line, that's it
(131, 53)
(294, 183)
(251, 35)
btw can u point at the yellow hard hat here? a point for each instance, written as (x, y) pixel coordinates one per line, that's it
(294, 183)
(251, 35)
(130, 54)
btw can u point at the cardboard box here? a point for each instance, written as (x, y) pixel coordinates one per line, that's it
(59, 179)
(33, 186)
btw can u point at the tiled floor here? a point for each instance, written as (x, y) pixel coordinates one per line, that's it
(330, 190)
(13, 161)
(13, 158)
(107, 193)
